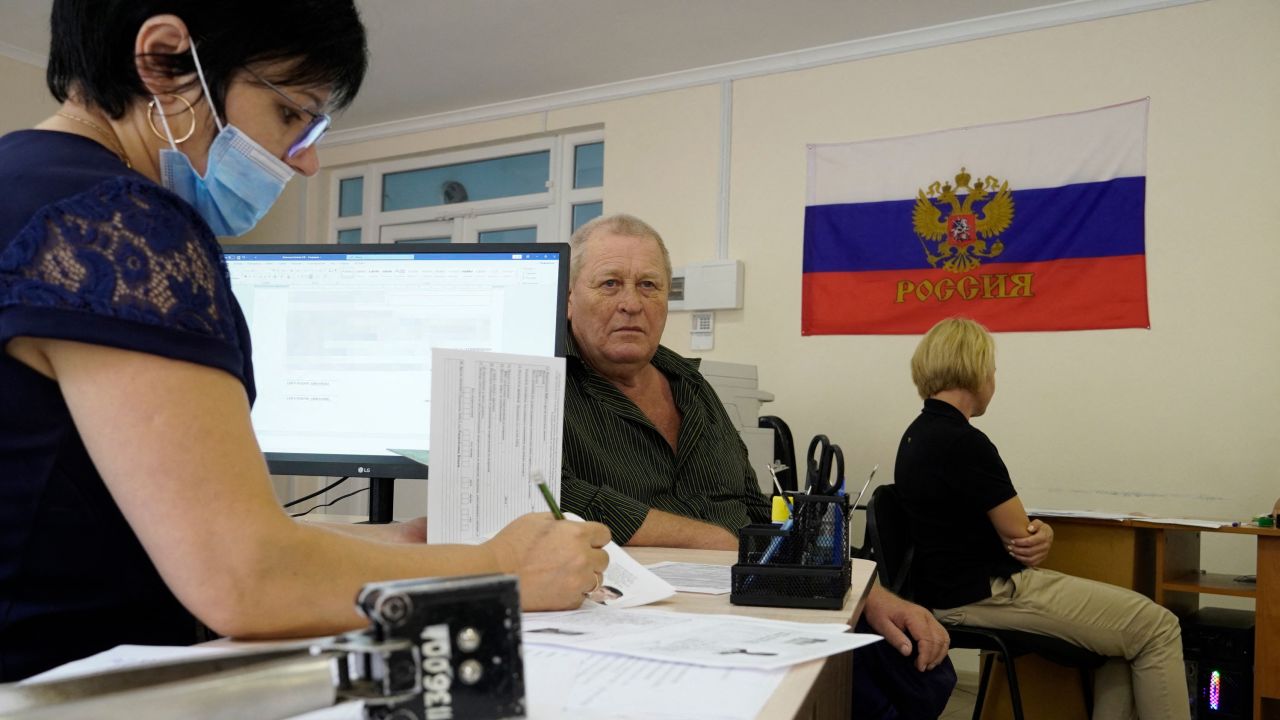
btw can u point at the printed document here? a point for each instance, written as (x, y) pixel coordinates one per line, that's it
(1089, 514)
(125, 657)
(495, 419)
(708, 640)
(1094, 515)
(559, 683)
(626, 583)
(564, 683)
(1189, 522)
(696, 577)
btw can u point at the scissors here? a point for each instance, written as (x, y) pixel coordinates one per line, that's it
(820, 481)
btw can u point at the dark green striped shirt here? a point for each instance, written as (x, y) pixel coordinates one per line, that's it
(617, 465)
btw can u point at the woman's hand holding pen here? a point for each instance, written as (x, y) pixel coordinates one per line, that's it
(556, 561)
(1034, 548)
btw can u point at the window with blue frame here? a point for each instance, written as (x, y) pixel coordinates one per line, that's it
(351, 197)
(501, 177)
(586, 212)
(588, 165)
(510, 235)
(530, 190)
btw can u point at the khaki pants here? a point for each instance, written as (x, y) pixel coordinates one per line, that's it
(1146, 674)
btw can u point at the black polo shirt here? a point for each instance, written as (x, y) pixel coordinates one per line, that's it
(949, 475)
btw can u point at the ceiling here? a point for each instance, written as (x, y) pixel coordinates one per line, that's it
(436, 56)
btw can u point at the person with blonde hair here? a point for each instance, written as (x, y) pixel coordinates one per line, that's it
(977, 555)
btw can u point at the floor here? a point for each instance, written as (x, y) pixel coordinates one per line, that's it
(960, 707)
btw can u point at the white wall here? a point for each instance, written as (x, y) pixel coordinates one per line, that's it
(1177, 419)
(26, 99)
(1171, 420)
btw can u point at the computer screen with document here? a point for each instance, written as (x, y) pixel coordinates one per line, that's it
(342, 339)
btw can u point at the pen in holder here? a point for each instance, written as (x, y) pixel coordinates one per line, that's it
(802, 563)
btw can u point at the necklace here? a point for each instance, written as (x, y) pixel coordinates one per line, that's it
(103, 133)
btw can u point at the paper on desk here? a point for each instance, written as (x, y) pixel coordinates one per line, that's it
(1189, 522)
(709, 640)
(565, 683)
(627, 583)
(1094, 515)
(495, 418)
(122, 657)
(1089, 514)
(696, 577)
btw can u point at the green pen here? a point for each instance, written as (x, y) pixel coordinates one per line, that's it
(536, 476)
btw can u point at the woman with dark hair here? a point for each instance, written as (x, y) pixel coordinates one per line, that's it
(133, 497)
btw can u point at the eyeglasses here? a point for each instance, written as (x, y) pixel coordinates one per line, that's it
(314, 130)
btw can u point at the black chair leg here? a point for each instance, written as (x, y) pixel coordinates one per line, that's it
(1086, 682)
(1015, 696)
(987, 660)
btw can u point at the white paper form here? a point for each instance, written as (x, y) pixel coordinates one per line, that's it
(696, 577)
(123, 657)
(1087, 514)
(1189, 522)
(709, 640)
(626, 583)
(563, 683)
(559, 683)
(495, 418)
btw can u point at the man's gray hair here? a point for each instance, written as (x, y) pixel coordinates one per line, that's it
(618, 224)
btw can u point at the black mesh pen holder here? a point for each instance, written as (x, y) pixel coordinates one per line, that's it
(804, 563)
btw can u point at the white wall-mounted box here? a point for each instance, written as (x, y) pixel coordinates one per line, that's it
(709, 285)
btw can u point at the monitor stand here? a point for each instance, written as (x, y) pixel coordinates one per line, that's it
(381, 495)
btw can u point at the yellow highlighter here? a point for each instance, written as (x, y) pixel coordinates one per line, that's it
(781, 509)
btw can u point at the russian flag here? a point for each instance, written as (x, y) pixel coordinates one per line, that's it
(1030, 225)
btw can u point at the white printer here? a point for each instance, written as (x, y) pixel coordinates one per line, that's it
(738, 386)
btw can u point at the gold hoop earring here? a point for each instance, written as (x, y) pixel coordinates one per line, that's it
(154, 106)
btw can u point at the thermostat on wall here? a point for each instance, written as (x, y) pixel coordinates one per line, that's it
(710, 285)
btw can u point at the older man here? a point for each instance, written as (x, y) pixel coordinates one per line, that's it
(650, 452)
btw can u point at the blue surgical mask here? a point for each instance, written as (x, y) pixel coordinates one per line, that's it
(242, 180)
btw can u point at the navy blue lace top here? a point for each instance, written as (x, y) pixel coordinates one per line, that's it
(93, 252)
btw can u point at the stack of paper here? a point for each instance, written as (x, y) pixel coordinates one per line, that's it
(730, 641)
(696, 577)
(602, 663)
(496, 420)
(564, 683)
(1096, 515)
(1088, 514)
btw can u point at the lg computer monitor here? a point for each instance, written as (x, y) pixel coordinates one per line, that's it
(342, 338)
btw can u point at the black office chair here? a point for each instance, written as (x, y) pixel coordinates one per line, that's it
(784, 450)
(893, 552)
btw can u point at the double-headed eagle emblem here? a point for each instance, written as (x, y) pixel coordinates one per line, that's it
(959, 237)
